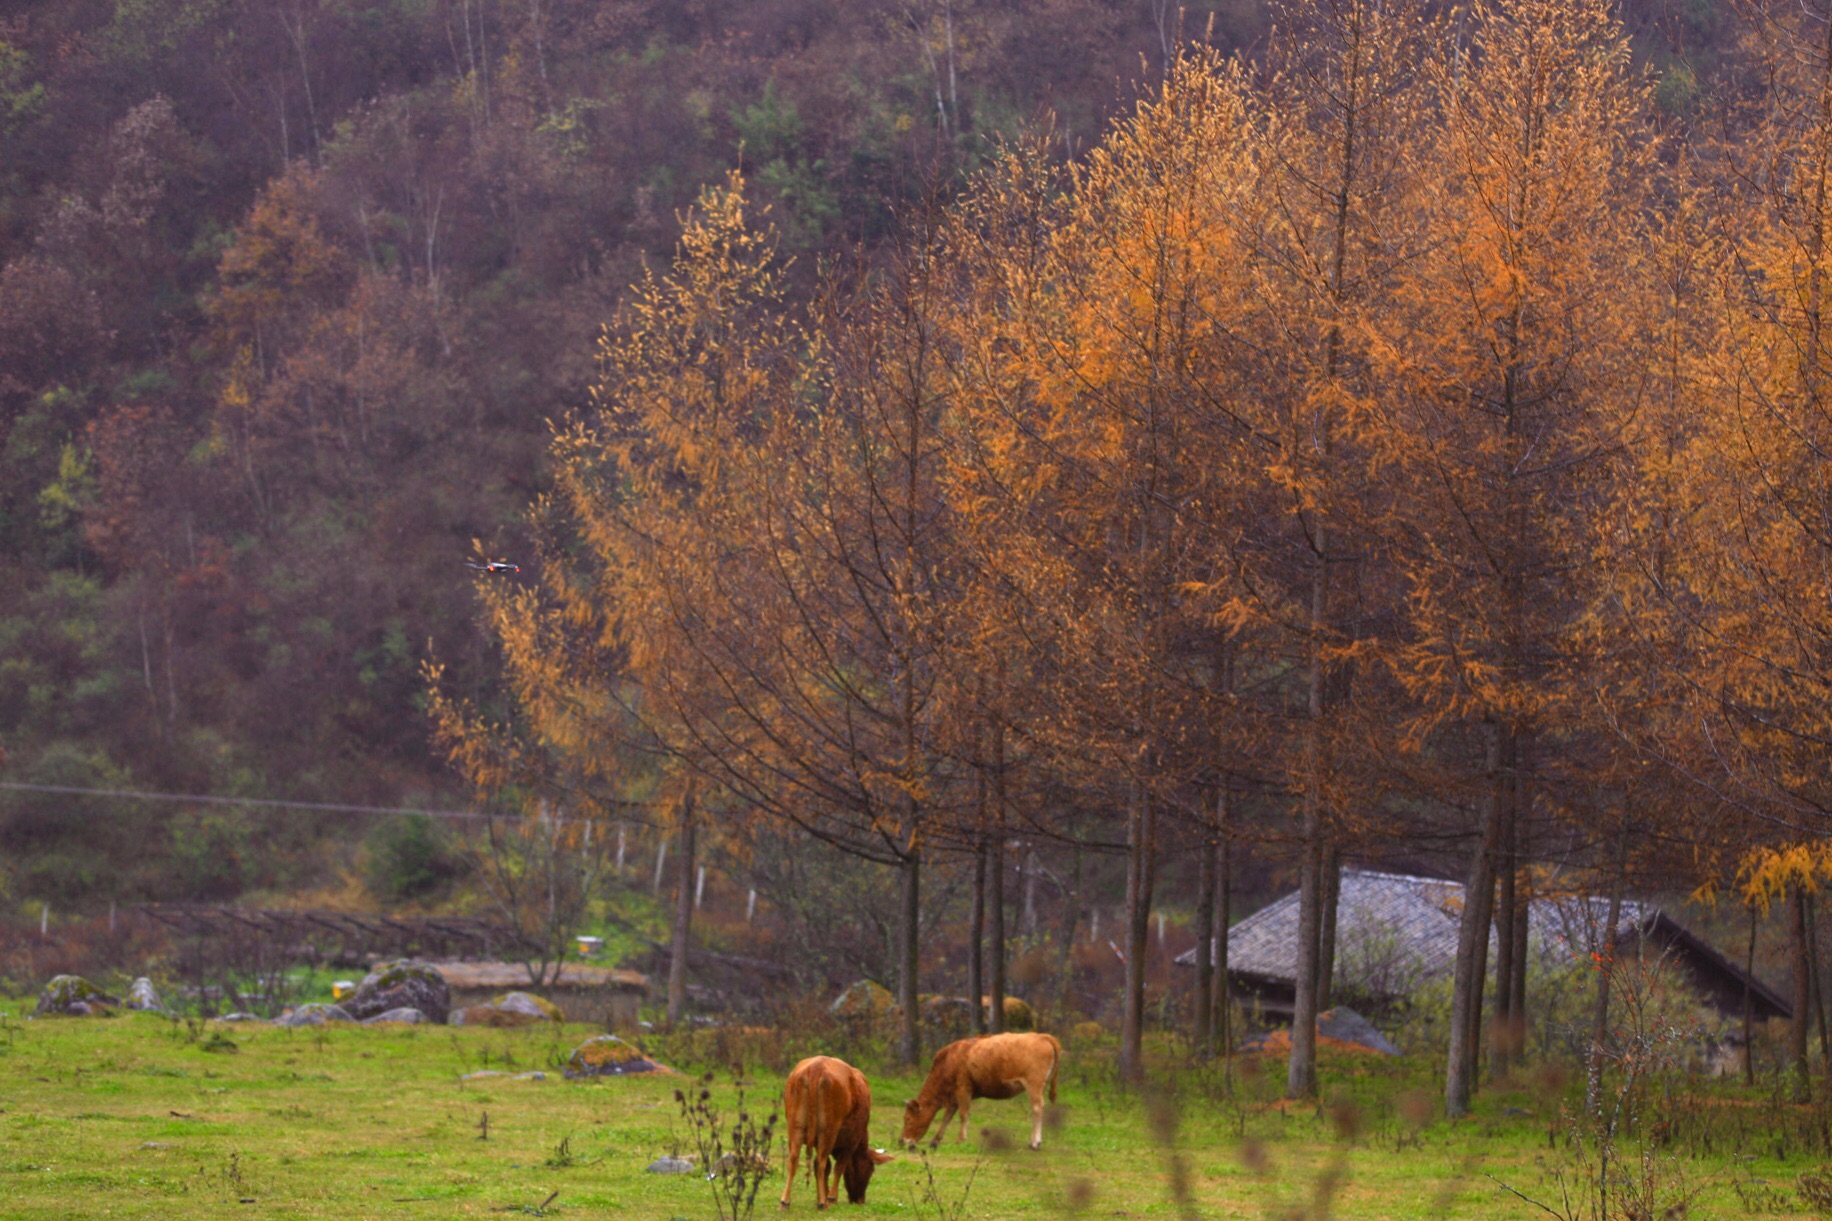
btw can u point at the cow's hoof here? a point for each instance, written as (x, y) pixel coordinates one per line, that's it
(1036, 1145)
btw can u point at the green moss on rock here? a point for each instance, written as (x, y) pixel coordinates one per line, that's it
(609, 1056)
(401, 984)
(74, 996)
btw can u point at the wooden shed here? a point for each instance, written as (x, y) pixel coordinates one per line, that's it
(605, 996)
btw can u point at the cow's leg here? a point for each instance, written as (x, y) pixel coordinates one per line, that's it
(822, 1164)
(794, 1156)
(941, 1129)
(963, 1099)
(1035, 1088)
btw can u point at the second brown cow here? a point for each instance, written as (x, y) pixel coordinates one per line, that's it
(991, 1066)
(827, 1103)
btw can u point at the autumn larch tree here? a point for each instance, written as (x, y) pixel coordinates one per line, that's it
(1506, 368)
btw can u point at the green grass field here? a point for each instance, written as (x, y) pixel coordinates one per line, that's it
(138, 1116)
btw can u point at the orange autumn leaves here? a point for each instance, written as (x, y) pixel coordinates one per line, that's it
(1471, 414)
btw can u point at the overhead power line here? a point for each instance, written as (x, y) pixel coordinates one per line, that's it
(203, 799)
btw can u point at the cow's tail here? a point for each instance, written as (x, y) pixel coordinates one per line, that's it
(1055, 1063)
(818, 1100)
(801, 1124)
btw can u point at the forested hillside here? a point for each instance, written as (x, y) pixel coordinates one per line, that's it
(289, 291)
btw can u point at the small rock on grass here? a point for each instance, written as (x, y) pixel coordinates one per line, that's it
(315, 1014)
(408, 1015)
(509, 1009)
(489, 1073)
(609, 1056)
(142, 998)
(671, 1165)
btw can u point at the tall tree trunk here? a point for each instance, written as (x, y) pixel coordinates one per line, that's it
(1065, 950)
(1203, 1034)
(1517, 986)
(976, 975)
(1141, 841)
(1803, 998)
(909, 895)
(1599, 1022)
(1501, 1030)
(995, 899)
(1224, 901)
(683, 915)
(1326, 932)
(1301, 1068)
(1027, 924)
(995, 932)
(1815, 969)
(1472, 944)
(1749, 1011)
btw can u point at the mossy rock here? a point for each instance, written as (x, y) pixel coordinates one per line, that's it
(1087, 1032)
(528, 1002)
(402, 984)
(1018, 1014)
(74, 996)
(509, 1009)
(863, 1001)
(948, 1017)
(609, 1056)
(143, 997)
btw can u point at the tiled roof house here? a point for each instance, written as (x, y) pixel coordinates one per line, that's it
(1395, 933)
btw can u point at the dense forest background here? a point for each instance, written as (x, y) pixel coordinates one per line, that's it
(291, 289)
(289, 292)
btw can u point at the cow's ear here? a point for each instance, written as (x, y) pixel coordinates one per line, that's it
(879, 1156)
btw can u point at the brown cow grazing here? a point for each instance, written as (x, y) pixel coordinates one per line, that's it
(828, 1106)
(991, 1066)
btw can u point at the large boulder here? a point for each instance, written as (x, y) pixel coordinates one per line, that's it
(609, 1056)
(951, 1017)
(1018, 1015)
(948, 1017)
(402, 984)
(142, 998)
(74, 996)
(315, 1014)
(509, 1009)
(863, 1003)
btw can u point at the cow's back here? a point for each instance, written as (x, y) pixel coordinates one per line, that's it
(999, 1064)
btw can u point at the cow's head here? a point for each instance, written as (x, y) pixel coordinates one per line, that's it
(917, 1115)
(857, 1171)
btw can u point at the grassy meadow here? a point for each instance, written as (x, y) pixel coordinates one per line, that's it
(141, 1116)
